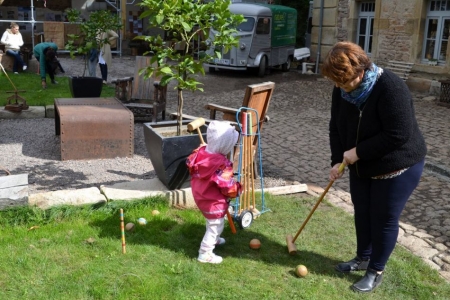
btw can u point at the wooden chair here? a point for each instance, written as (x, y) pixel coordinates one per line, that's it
(257, 97)
(144, 97)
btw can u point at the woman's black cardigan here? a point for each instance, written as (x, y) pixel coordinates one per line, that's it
(385, 130)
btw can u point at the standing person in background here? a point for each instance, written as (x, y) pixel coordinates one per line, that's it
(12, 39)
(105, 56)
(92, 62)
(45, 53)
(374, 131)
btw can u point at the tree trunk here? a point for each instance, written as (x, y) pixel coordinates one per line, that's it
(180, 111)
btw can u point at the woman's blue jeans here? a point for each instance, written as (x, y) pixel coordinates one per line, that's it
(378, 204)
(17, 59)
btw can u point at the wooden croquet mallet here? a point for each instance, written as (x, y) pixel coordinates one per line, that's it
(195, 125)
(291, 241)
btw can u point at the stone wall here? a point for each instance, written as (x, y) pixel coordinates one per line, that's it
(343, 11)
(329, 31)
(394, 27)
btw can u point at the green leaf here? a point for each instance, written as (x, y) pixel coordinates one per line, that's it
(186, 26)
(159, 19)
(166, 70)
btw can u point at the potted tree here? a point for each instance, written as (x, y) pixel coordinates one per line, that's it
(99, 21)
(177, 60)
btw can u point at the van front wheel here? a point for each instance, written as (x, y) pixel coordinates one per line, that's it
(262, 66)
(287, 65)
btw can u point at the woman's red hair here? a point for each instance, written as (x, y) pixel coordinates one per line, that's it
(344, 62)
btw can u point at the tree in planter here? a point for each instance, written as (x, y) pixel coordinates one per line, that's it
(99, 21)
(185, 20)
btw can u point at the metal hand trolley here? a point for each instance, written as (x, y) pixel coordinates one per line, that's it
(244, 208)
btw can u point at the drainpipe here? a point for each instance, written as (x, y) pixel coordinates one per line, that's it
(319, 45)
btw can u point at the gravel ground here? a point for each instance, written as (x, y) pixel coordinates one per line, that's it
(31, 146)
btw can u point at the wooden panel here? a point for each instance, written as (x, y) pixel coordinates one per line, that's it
(54, 32)
(257, 96)
(72, 29)
(142, 88)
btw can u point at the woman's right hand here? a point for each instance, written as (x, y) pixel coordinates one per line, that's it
(334, 172)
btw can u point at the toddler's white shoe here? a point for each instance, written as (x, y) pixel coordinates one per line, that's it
(209, 257)
(220, 241)
(24, 68)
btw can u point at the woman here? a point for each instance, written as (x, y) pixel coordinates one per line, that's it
(12, 39)
(45, 53)
(374, 131)
(105, 57)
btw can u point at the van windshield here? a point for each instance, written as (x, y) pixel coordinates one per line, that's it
(247, 25)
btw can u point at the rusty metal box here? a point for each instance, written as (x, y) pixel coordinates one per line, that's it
(94, 128)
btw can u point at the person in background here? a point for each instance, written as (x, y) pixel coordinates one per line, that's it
(213, 184)
(92, 62)
(45, 53)
(373, 130)
(12, 39)
(105, 57)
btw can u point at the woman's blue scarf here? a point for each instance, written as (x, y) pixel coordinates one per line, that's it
(359, 95)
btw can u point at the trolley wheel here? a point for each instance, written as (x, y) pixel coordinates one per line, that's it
(245, 219)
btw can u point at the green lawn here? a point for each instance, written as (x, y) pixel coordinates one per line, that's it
(57, 261)
(29, 87)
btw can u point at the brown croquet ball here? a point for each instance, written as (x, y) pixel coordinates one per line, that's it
(129, 227)
(301, 271)
(255, 244)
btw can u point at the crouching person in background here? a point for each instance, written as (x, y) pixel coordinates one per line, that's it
(45, 53)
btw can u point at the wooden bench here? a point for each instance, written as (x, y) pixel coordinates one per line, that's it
(145, 97)
(401, 68)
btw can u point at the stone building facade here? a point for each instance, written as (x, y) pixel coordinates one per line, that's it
(400, 30)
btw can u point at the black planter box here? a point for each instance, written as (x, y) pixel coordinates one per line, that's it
(168, 152)
(85, 87)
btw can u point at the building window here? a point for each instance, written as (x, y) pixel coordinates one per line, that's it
(437, 29)
(365, 26)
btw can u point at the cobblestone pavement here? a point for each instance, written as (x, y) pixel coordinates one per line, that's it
(295, 148)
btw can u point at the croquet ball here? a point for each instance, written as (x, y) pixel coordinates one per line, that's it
(142, 221)
(301, 271)
(155, 212)
(255, 244)
(129, 227)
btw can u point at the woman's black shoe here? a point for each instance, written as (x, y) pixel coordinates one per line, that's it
(369, 282)
(356, 264)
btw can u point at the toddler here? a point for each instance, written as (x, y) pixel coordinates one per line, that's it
(212, 183)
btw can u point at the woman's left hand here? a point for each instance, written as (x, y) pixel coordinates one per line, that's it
(350, 156)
